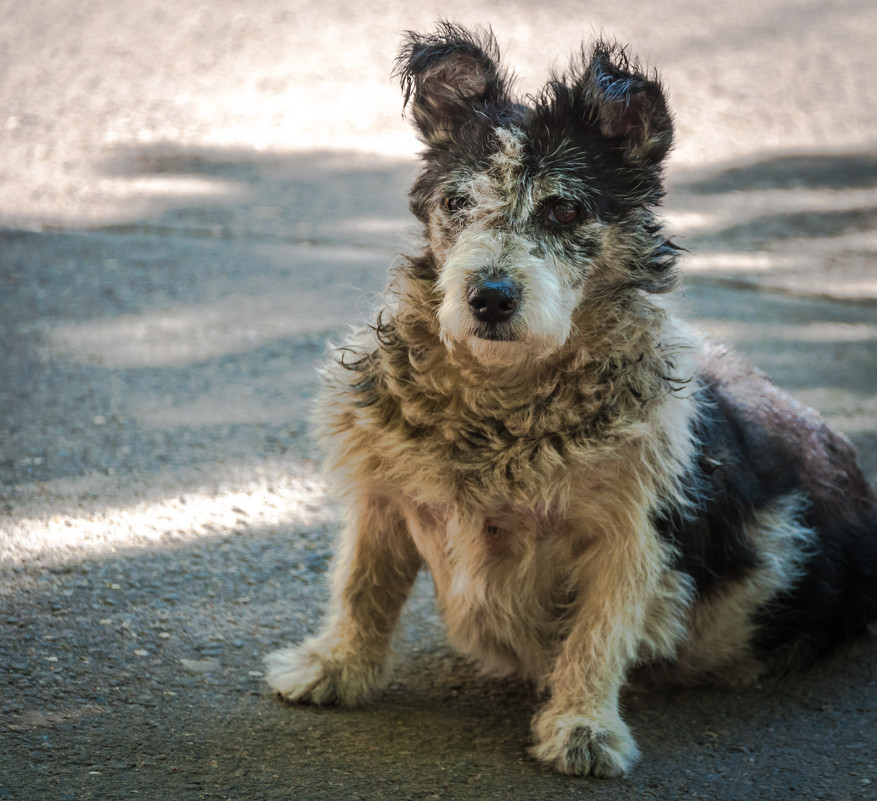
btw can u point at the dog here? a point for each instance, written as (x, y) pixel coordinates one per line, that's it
(593, 487)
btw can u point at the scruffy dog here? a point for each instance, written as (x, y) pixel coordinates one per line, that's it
(592, 488)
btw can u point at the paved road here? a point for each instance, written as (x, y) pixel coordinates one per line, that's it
(194, 198)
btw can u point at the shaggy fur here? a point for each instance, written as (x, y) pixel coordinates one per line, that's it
(592, 488)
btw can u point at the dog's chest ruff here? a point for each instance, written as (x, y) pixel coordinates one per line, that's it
(500, 581)
(451, 438)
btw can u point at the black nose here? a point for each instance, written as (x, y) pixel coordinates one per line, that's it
(494, 302)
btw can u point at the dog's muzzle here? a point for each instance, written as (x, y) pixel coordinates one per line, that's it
(493, 302)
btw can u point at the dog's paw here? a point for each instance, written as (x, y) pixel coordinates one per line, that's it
(580, 746)
(308, 674)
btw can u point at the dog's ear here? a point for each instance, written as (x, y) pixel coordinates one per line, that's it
(450, 77)
(630, 106)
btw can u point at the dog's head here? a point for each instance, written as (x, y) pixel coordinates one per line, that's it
(537, 210)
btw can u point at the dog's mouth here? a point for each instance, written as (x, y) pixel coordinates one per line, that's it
(500, 353)
(495, 333)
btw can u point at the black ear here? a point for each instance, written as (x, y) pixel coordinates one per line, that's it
(630, 105)
(449, 77)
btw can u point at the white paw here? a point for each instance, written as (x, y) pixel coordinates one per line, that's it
(310, 674)
(580, 746)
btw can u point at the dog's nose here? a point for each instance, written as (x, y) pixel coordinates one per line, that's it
(493, 302)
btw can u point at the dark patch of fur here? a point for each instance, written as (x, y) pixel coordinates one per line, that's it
(450, 77)
(758, 446)
(722, 494)
(794, 450)
(835, 601)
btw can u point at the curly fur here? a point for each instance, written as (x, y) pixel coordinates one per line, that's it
(592, 487)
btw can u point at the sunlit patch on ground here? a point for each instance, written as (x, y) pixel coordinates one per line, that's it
(277, 500)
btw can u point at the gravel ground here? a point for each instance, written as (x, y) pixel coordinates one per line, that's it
(194, 199)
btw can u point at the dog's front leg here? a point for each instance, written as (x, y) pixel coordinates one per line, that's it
(372, 575)
(580, 730)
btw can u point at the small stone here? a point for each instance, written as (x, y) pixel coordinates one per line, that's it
(201, 665)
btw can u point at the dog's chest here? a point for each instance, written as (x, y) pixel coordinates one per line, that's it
(451, 438)
(501, 533)
(501, 580)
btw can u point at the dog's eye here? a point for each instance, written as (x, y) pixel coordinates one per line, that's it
(455, 203)
(563, 212)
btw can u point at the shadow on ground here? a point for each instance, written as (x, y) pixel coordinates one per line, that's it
(804, 171)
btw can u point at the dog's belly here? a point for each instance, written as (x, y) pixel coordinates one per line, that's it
(502, 583)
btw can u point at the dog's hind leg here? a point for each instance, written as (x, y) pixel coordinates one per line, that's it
(373, 573)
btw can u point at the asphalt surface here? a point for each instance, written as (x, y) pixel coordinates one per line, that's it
(194, 199)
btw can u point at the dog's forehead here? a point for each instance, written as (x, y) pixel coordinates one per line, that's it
(515, 178)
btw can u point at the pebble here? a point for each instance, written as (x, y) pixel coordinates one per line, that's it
(201, 665)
